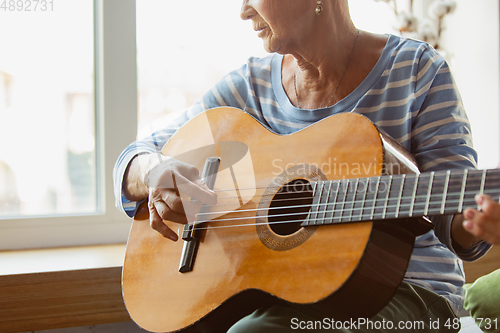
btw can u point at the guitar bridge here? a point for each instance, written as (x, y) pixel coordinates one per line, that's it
(192, 232)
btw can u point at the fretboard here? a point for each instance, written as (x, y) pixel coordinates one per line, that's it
(400, 196)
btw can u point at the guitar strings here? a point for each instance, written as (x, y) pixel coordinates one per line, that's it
(346, 194)
(350, 182)
(340, 220)
(352, 210)
(449, 193)
(387, 207)
(470, 175)
(397, 183)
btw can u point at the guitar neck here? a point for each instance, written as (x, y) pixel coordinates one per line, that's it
(400, 196)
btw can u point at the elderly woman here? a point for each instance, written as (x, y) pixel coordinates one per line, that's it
(321, 65)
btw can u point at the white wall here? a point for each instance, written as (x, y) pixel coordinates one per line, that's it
(471, 39)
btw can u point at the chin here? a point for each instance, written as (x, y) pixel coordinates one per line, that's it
(267, 49)
(270, 48)
(270, 44)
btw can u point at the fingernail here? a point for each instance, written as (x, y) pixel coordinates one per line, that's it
(467, 225)
(173, 237)
(479, 199)
(469, 214)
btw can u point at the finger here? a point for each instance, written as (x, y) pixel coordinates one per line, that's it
(189, 171)
(478, 224)
(471, 226)
(159, 177)
(175, 207)
(196, 189)
(157, 224)
(166, 213)
(182, 205)
(489, 207)
(158, 198)
(162, 176)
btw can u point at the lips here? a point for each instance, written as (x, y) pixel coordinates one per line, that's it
(260, 30)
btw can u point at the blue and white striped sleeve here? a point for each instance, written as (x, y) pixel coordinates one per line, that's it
(441, 135)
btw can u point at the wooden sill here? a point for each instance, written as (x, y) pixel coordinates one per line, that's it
(57, 288)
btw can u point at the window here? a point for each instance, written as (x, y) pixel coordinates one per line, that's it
(66, 96)
(46, 83)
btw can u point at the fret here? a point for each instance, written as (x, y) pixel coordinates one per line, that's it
(332, 200)
(365, 192)
(326, 210)
(343, 187)
(472, 187)
(350, 199)
(439, 180)
(410, 182)
(483, 179)
(398, 203)
(366, 197)
(481, 188)
(454, 189)
(313, 213)
(387, 197)
(419, 197)
(443, 201)
(380, 197)
(428, 197)
(496, 184)
(462, 191)
(375, 198)
(491, 185)
(320, 218)
(360, 198)
(412, 203)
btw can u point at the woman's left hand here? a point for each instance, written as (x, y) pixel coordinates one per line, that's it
(484, 223)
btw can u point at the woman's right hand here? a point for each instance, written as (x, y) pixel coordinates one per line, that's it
(175, 190)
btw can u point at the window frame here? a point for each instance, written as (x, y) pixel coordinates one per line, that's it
(115, 96)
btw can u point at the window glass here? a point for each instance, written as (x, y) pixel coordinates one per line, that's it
(47, 123)
(184, 48)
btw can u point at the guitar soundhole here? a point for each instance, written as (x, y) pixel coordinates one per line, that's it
(290, 206)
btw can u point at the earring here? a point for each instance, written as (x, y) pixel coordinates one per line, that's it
(319, 7)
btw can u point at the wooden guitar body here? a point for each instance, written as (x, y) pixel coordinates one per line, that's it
(345, 270)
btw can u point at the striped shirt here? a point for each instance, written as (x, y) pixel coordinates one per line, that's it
(410, 93)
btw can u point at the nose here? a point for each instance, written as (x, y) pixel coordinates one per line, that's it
(247, 11)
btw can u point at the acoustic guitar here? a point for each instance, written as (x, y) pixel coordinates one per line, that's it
(323, 219)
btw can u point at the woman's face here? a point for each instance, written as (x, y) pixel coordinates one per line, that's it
(282, 24)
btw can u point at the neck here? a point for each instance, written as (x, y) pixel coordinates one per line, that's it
(400, 196)
(318, 58)
(318, 72)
